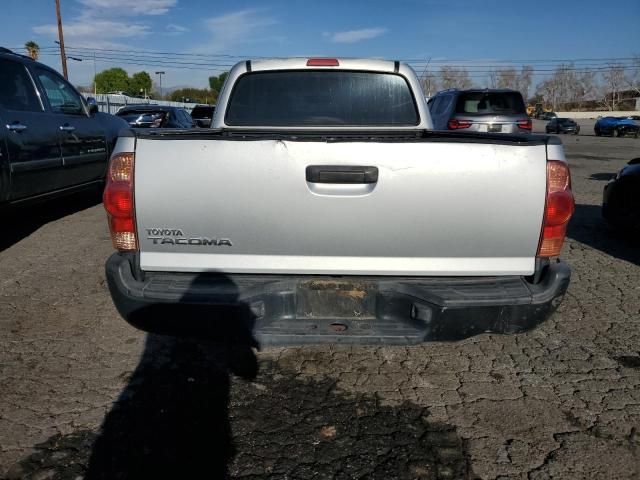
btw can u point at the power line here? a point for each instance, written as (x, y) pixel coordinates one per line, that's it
(155, 60)
(499, 63)
(140, 56)
(214, 67)
(478, 69)
(148, 64)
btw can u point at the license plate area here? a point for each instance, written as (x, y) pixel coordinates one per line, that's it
(336, 299)
(494, 128)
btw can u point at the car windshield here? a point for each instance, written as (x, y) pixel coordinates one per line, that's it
(565, 121)
(490, 103)
(321, 98)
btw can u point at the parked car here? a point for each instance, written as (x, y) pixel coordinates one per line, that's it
(322, 207)
(52, 141)
(618, 126)
(156, 116)
(621, 199)
(501, 111)
(203, 114)
(547, 116)
(562, 125)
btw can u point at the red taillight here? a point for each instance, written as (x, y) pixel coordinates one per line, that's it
(558, 209)
(119, 204)
(118, 200)
(454, 124)
(323, 62)
(525, 124)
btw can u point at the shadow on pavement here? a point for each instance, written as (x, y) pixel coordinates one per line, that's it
(587, 226)
(181, 416)
(20, 222)
(605, 176)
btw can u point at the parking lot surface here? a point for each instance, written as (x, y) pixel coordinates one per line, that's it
(84, 395)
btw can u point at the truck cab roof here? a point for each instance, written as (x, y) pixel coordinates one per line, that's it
(414, 98)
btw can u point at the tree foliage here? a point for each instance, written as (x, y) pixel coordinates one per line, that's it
(634, 75)
(33, 49)
(111, 80)
(429, 84)
(117, 79)
(453, 77)
(140, 83)
(215, 83)
(615, 80)
(513, 79)
(567, 86)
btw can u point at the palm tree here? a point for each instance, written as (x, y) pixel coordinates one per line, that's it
(33, 49)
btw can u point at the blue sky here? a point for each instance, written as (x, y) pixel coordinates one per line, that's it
(470, 30)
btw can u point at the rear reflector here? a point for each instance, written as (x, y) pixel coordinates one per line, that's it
(454, 124)
(558, 209)
(119, 204)
(323, 62)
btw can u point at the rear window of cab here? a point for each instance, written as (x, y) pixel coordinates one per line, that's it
(321, 98)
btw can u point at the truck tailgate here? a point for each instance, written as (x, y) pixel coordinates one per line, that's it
(437, 208)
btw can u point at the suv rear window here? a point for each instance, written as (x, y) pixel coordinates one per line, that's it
(321, 98)
(490, 103)
(202, 112)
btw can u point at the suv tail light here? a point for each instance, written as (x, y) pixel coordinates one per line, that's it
(525, 124)
(454, 124)
(558, 209)
(119, 204)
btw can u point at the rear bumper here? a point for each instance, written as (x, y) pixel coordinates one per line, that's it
(291, 309)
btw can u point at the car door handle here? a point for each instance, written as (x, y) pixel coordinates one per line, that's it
(341, 174)
(16, 127)
(67, 128)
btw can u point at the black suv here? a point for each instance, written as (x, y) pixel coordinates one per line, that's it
(203, 115)
(562, 125)
(52, 141)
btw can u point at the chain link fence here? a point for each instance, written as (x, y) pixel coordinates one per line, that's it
(111, 103)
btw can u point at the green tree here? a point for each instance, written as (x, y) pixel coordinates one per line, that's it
(194, 95)
(215, 83)
(111, 80)
(33, 49)
(140, 83)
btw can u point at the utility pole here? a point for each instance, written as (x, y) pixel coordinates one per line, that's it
(424, 73)
(63, 57)
(95, 74)
(160, 74)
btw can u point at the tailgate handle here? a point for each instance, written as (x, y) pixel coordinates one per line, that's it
(341, 174)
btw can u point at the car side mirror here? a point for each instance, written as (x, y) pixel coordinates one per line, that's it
(93, 105)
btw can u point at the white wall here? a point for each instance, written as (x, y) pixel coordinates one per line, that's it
(597, 114)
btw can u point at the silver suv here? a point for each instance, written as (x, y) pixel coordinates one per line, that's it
(480, 110)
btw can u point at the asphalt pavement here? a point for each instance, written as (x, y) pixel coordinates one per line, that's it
(84, 395)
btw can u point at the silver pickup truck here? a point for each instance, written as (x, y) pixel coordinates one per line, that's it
(321, 206)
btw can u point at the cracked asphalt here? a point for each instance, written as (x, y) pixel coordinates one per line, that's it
(84, 395)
